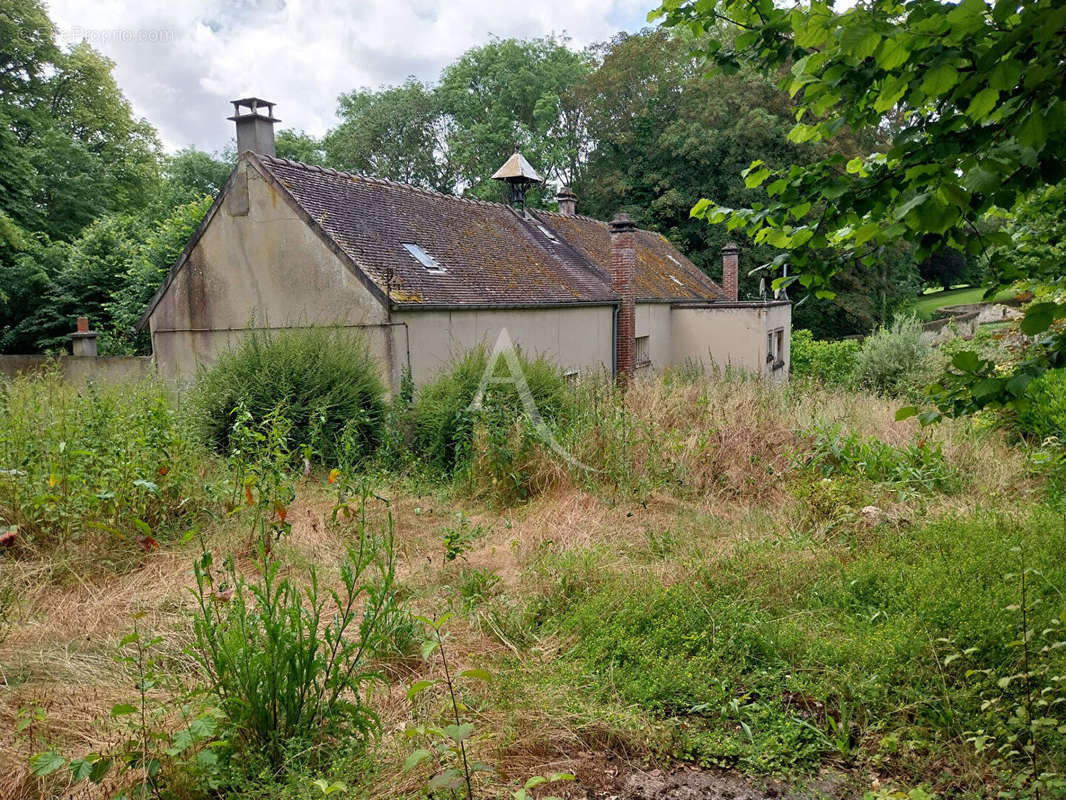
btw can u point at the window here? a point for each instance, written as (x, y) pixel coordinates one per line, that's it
(674, 279)
(641, 352)
(674, 260)
(775, 348)
(425, 259)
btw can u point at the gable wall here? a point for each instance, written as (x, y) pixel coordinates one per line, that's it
(265, 268)
(731, 337)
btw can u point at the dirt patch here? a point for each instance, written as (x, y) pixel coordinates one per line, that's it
(603, 777)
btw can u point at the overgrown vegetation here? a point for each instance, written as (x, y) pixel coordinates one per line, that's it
(778, 579)
(323, 382)
(110, 470)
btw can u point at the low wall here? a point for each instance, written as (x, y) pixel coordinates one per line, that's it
(986, 312)
(957, 326)
(80, 370)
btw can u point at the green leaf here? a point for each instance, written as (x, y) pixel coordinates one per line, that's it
(418, 687)
(859, 41)
(756, 178)
(940, 80)
(965, 361)
(906, 413)
(459, 733)
(984, 388)
(1005, 75)
(46, 763)
(416, 758)
(121, 709)
(1038, 318)
(1033, 132)
(82, 768)
(428, 648)
(983, 102)
(891, 54)
(477, 674)
(911, 204)
(892, 90)
(1017, 384)
(449, 779)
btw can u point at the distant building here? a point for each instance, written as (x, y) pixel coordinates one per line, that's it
(427, 276)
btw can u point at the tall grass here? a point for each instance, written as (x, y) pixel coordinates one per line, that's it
(100, 464)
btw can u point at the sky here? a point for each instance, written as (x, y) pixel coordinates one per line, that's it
(180, 62)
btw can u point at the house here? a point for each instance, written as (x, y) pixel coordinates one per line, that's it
(425, 276)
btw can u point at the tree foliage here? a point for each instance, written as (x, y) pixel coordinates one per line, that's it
(974, 95)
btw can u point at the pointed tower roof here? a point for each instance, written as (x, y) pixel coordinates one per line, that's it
(516, 168)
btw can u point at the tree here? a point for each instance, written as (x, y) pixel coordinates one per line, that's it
(975, 95)
(299, 146)
(514, 93)
(397, 132)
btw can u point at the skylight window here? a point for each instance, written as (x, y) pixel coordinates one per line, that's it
(675, 261)
(547, 233)
(425, 259)
(674, 279)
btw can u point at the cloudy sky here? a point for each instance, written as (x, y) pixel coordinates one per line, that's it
(180, 61)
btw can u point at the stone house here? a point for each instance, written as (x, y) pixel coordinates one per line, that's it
(426, 276)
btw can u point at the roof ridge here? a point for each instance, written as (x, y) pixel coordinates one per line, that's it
(376, 180)
(576, 216)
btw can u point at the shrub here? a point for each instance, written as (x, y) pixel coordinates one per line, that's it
(324, 382)
(920, 466)
(831, 363)
(104, 460)
(288, 663)
(1046, 414)
(895, 361)
(449, 433)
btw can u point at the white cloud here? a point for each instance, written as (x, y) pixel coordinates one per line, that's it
(180, 61)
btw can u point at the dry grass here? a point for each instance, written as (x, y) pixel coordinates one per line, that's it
(707, 470)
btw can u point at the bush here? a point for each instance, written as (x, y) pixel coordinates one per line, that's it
(111, 461)
(448, 433)
(831, 363)
(919, 467)
(1046, 414)
(895, 361)
(325, 383)
(290, 662)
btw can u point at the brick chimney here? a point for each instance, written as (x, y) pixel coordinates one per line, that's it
(623, 277)
(567, 201)
(255, 130)
(84, 340)
(730, 270)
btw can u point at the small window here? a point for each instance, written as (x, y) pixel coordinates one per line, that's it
(425, 259)
(547, 233)
(641, 351)
(775, 348)
(674, 260)
(674, 279)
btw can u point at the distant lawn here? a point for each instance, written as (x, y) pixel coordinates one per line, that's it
(927, 304)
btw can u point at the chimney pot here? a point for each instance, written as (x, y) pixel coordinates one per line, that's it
(623, 280)
(84, 340)
(255, 130)
(567, 201)
(730, 270)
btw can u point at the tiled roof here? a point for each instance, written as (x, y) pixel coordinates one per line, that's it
(490, 253)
